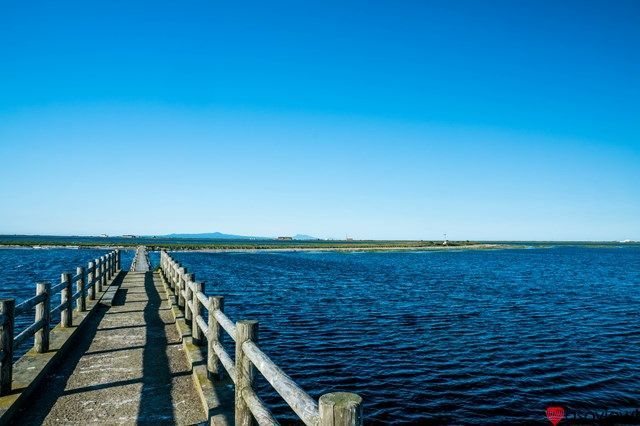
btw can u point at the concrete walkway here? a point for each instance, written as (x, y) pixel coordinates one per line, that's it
(141, 261)
(128, 367)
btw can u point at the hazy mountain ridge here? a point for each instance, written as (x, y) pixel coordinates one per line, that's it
(221, 236)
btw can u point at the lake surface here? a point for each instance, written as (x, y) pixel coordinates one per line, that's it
(456, 337)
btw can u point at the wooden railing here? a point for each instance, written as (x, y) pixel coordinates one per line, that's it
(333, 409)
(90, 279)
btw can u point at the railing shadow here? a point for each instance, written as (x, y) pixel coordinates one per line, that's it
(156, 403)
(56, 382)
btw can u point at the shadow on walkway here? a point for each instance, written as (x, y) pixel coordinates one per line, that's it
(55, 383)
(155, 400)
(122, 369)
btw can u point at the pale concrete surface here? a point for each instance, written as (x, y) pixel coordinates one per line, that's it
(129, 367)
(141, 261)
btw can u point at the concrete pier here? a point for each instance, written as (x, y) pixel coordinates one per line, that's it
(141, 260)
(127, 367)
(143, 347)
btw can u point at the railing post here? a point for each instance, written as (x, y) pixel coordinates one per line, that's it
(109, 269)
(66, 315)
(174, 277)
(196, 332)
(340, 409)
(90, 282)
(43, 312)
(188, 300)
(163, 263)
(180, 286)
(117, 260)
(97, 279)
(214, 336)
(7, 309)
(245, 371)
(81, 306)
(170, 275)
(103, 272)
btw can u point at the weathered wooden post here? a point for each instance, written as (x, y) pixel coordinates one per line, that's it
(215, 337)
(7, 311)
(97, 280)
(176, 274)
(81, 306)
(196, 332)
(188, 299)
(245, 371)
(340, 409)
(103, 271)
(181, 272)
(90, 281)
(176, 285)
(109, 266)
(41, 337)
(117, 260)
(66, 319)
(174, 277)
(163, 265)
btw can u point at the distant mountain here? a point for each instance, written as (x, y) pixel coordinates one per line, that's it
(304, 237)
(221, 236)
(215, 236)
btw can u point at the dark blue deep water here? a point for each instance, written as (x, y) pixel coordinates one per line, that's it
(456, 337)
(21, 269)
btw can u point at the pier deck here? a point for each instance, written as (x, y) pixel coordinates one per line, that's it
(128, 367)
(141, 260)
(143, 347)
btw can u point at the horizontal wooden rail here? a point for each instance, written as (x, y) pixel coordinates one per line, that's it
(29, 304)
(58, 309)
(58, 287)
(258, 408)
(226, 323)
(85, 279)
(225, 360)
(332, 409)
(27, 332)
(303, 405)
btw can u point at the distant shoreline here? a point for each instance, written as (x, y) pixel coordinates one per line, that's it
(222, 248)
(351, 249)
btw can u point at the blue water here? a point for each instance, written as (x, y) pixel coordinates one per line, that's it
(457, 337)
(21, 269)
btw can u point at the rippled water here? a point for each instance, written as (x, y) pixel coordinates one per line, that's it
(473, 337)
(458, 337)
(21, 269)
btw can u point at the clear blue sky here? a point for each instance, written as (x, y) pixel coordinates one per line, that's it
(484, 120)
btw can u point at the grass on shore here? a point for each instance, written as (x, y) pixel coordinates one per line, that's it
(253, 245)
